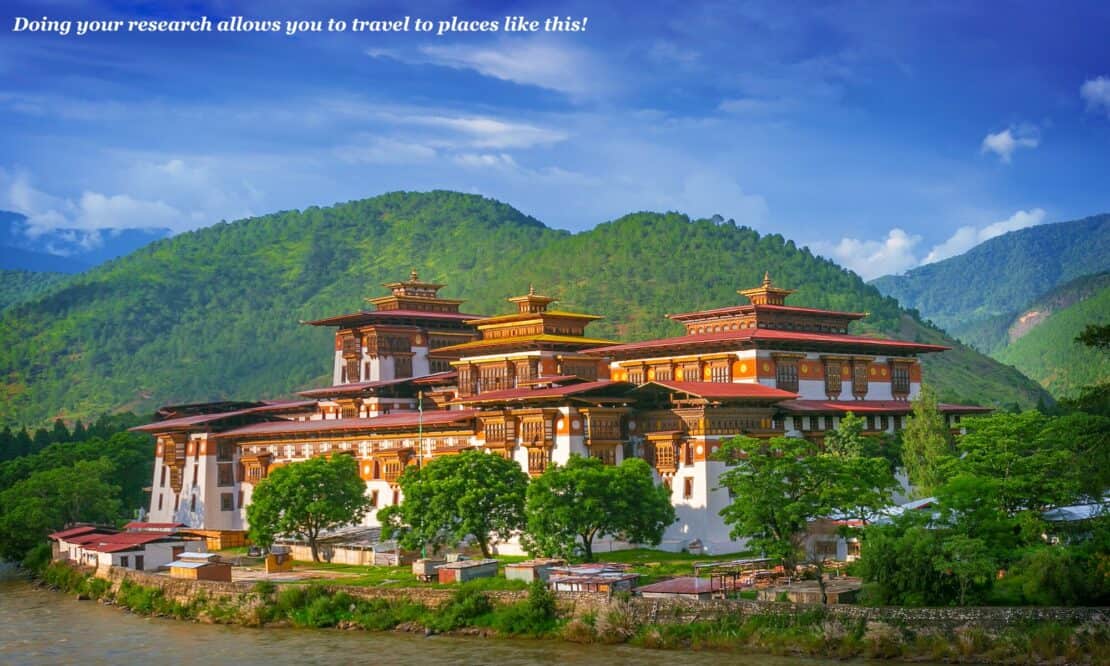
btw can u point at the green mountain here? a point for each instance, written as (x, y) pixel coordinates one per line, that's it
(17, 286)
(213, 313)
(994, 334)
(1003, 275)
(1042, 340)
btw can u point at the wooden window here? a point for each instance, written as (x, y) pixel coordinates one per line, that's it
(663, 373)
(859, 379)
(687, 453)
(349, 412)
(195, 468)
(786, 375)
(900, 379)
(402, 367)
(691, 372)
(225, 451)
(139, 562)
(538, 459)
(193, 504)
(160, 496)
(833, 385)
(225, 474)
(636, 375)
(162, 483)
(227, 502)
(124, 562)
(374, 498)
(240, 502)
(814, 423)
(720, 373)
(688, 488)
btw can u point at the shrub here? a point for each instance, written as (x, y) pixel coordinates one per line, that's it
(464, 609)
(535, 616)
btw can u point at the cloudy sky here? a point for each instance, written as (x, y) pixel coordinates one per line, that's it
(881, 134)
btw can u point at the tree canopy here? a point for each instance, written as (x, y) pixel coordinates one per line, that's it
(306, 499)
(568, 506)
(473, 494)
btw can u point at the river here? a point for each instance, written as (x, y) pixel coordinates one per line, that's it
(39, 626)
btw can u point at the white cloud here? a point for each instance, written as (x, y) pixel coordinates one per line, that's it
(545, 65)
(382, 150)
(486, 160)
(967, 237)
(870, 259)
(1009, 140)
(1096, 92)
(486, 132)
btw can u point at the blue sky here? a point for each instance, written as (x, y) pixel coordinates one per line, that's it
(881, 134)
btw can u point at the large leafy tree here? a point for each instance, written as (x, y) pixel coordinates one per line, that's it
(306, 499)
(779, 486)
(50, 499)
(568, 506)
(926, 444)
(473, 494)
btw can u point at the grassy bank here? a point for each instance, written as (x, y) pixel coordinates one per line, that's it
(470, 610)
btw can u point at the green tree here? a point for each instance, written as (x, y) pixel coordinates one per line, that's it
(1096, 336)
(472, 494)
(926, 444)
(50, 499)
(306, 499)
(968, 561)
(568, 506)
(778, 487)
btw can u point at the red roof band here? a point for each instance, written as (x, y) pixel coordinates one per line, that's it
(764, 335)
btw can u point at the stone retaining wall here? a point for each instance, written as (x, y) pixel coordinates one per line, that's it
(650, 611)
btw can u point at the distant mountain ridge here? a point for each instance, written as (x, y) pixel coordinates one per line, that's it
(212, 313)
(1003, 275)
(65, 250)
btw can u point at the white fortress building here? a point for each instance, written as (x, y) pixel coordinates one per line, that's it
(413, 378)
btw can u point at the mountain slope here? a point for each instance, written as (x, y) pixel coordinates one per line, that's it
(1049, 353)
(992, 335)
(212, 313)
(1004, 274)
(19, 286)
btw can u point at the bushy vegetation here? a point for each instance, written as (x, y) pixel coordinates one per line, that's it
(87, 475)
(986, 538)
(212, 313)
(17, 286)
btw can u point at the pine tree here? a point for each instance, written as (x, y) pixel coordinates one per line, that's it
(927, 445)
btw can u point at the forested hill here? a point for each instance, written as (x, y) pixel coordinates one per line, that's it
(18, 286)
(1003, 275)
(213, 313)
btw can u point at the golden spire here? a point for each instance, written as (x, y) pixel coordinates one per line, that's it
(766, 293)
(413, 277)
(531, 302)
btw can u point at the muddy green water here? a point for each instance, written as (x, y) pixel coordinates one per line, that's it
(39, 626)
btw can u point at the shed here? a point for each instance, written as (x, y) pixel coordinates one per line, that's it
(606, 578)
(683, 587)
(460, 572)
(530, 570)
(201, 566)
(425, 569)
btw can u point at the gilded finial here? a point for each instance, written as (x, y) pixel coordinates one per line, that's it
(767, 278)
(531, 289)
(413, 277)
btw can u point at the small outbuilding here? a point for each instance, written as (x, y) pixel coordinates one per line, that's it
(605, 578)
(684, 587)
(530, 570)
(460, 572)
(201, 566)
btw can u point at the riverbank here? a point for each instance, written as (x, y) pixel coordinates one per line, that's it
(998, 635)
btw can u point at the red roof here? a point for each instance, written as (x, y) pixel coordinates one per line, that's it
(396, 420)
(683, 585)
(79, 531)
(748, 307)
(370, 315)
(187, 422)
(137, 525)
(115, 542)
(525, 394)
(868, 407)
(766, 335)
(724, 391)
(354, 387)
